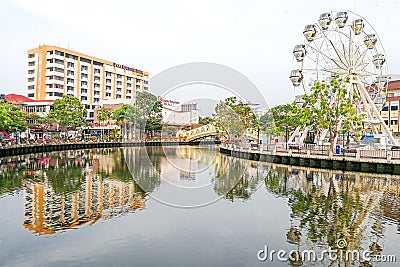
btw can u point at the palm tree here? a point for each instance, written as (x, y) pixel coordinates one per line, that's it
(103, 115)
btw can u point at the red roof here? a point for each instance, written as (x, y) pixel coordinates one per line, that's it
(17, 99)
(394, 85)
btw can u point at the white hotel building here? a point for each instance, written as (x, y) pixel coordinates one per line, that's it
(54, 71)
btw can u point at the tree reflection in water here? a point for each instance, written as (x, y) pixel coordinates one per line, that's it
(327, 206)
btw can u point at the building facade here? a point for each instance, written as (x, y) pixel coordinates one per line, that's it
(390, 112)
(54, 71)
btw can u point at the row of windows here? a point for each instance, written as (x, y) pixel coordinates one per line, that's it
(392, 122)
(54, 85)
(54, 94)
(386, 108)
(32, 109)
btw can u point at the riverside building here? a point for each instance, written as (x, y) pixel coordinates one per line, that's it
(54, 71)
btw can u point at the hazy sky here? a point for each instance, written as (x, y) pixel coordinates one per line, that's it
(254, 37)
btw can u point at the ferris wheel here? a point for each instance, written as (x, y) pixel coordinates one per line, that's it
(345, 44)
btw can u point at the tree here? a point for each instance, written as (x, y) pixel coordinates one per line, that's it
(147, 112)
(68, 112)
(234, 117)
(331, 106)
(11, 117)
(279, 120)
(206, 120)
(102, 116)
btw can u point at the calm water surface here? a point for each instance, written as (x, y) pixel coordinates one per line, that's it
(187, 206)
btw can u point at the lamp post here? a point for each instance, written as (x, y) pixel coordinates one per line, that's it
(344, 131)
(16, 135)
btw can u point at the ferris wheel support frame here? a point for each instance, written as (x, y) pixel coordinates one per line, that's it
(370, 104)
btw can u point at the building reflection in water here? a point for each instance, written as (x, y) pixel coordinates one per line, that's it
(97, 197)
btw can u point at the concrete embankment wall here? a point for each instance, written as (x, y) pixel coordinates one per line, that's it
(370, 165)
(21, 150)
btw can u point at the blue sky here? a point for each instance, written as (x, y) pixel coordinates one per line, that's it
(254, 37)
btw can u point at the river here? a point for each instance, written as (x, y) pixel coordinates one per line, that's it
(191, 206)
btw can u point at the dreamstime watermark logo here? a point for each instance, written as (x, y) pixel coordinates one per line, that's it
(190, 80)
(309, 255)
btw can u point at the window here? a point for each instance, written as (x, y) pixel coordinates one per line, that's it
(31, 63)
(146, 88)
(50, 93)
(108, 94)
(70, 72)
(83, 91)
(50, 60)
(146, 82)
(31, 95)
(385, 108)
(58, 61)
(96, 85)
(96, 63)
(31, 79)
(59, 86)
(119, 76)
(70, 88)
(96, 71)
(87, 106)
(128, 85)
(137, 87)
(91, 114)
(96, 92)
(386, 122)
(128, 97)
(69, 80)
(108, 87)
(59, 69)
(128, 91)
(118, 96)
(108, 74)
(119, 90)
(50, 77)
(96, 78)
(71, 56)
(394, 108)
(50, 69)
(83, 98)
(58, 94)
(108, 80)
(49, 85)
(128, 78)
(138, 80)
(59, 53)
(31, 55)
(96, 100)
(85, 60)
(59, 78)
(84, 67)
(70, 65)
(31, 71)
(50, 52)
(84, 75)
(83, 83)
(119, 83)
(393, 122)
(30, 87)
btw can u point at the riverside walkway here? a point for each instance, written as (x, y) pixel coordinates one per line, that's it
(374, 161)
